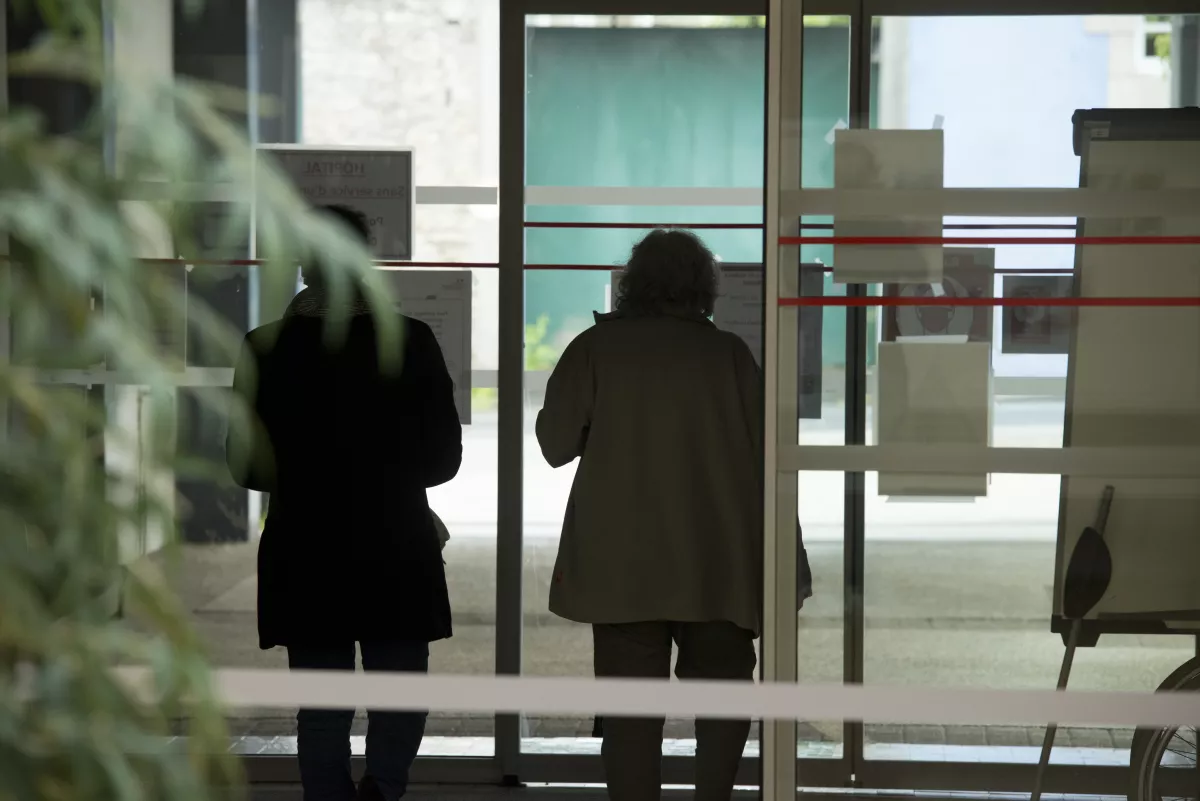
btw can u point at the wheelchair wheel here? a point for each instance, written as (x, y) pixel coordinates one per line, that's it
(1162, 762)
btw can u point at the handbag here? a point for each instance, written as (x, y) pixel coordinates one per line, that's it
(804, 588)
(443, 533)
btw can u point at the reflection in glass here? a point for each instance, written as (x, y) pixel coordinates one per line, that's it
(959, 590)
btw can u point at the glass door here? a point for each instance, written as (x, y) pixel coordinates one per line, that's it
(318, 68)
(953, 583)
(631, 122)
(984, 561)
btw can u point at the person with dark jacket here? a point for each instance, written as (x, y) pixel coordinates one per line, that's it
(350, 554)
(662, 540)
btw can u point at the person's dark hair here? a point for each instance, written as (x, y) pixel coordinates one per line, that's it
(669, 270)
(353, 219)
(356, 225)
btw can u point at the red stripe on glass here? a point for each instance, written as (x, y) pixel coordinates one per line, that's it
(984, 240)
(635, 225)
(876, 300)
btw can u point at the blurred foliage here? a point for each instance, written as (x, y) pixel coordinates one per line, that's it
(1162, 46)
(484, 399)
(539, 355)
(73, 725)
(1158, 44)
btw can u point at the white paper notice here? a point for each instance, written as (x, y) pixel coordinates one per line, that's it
(934, 393)
(442, 300)
(738, 309)
(870, 159)
(376, 182)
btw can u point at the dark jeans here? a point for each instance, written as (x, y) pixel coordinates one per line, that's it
(632, 750)
(324, 734)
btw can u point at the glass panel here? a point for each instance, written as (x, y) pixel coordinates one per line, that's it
(610, 146)
(342, 81)
(672, 102)
(960, 575)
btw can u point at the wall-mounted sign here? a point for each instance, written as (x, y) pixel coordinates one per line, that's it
(375, 181)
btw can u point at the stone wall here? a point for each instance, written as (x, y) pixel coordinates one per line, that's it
(421, 74)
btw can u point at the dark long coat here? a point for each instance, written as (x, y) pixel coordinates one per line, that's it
(346, 451)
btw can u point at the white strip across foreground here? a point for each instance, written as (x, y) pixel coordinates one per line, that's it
(909, 203)
(972, 459)
(555, 696)
(642, 196)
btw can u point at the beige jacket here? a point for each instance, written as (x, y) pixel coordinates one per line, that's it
(664, 521)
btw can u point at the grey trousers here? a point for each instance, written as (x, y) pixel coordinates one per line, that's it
(633, 746)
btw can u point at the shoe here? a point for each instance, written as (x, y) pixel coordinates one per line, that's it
(368, 790)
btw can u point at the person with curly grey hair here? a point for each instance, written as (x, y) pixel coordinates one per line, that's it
(662, 538)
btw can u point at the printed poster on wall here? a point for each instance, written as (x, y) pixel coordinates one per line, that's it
(442, 300)
(966, 273)
(376, 182)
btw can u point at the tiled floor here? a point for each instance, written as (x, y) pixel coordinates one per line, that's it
(968, 614)
(595, 793)
(577, 746)
(445, 727)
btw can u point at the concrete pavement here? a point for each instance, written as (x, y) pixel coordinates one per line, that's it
(1018, 507)
(940, 613)
(957, 593)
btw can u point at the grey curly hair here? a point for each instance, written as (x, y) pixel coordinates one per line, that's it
(669, 270)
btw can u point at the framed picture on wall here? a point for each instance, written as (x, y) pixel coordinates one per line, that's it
(967, 273)
(1036, 329)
